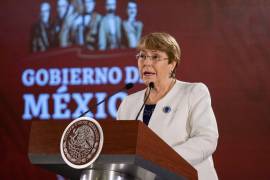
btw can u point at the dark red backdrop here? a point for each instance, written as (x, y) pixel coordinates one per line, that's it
(224, 44)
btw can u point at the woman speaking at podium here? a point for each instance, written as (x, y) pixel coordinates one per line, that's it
(179, 112)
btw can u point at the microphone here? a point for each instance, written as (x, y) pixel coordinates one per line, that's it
(126, 87)
(151, 86)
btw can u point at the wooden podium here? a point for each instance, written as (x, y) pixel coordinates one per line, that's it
(130, 148)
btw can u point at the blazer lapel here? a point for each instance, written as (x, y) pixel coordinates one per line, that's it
(160, 117)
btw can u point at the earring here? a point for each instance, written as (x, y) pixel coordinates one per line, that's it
(172, 74)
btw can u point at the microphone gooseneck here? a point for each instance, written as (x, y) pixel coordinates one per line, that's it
(127, 87)
(151, 86)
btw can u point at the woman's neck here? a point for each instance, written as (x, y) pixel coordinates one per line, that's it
(160, 90)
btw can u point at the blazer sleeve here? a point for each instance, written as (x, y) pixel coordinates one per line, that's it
(203, 136)
(120, 111)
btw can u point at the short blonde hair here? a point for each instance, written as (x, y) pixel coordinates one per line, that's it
(163, 42)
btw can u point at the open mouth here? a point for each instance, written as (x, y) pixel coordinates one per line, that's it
(148, 73)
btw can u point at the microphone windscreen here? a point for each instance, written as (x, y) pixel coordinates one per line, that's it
(129, 86)
(151, 85)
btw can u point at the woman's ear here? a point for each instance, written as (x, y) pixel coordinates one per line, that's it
(173, 65)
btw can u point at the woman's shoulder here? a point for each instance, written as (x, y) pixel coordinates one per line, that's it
(191, 86)
(132, 100)
(136, 95)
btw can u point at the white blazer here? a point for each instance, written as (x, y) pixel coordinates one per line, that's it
(189, 127)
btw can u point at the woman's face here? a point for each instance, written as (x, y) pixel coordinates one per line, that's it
(154, 67)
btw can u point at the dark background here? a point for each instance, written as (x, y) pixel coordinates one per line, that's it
(224, 43)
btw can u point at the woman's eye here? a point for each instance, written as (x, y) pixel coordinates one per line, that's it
(155, 57)
(143, 56)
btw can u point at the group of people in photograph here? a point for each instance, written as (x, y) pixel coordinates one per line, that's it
(77, 23)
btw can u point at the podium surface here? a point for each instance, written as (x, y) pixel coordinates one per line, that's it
(130, 148)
